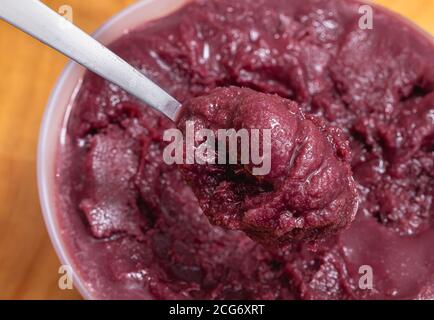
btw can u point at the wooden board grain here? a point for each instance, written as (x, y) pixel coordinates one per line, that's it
(28, 264)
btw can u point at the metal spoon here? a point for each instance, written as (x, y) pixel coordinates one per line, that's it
(42, 23)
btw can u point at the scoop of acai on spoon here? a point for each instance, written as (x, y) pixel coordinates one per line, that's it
(307, 194)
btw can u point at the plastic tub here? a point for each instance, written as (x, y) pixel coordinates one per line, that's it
(59, 106)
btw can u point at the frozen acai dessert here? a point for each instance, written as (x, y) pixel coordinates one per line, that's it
(307, 193)
(356, 111)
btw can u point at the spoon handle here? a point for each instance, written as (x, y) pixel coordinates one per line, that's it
(42, 23)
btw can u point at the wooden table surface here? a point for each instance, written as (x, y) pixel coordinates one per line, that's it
(28, 264)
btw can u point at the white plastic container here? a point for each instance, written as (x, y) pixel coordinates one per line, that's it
(59, 106)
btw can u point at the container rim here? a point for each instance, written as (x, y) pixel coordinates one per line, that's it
(49, 138)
